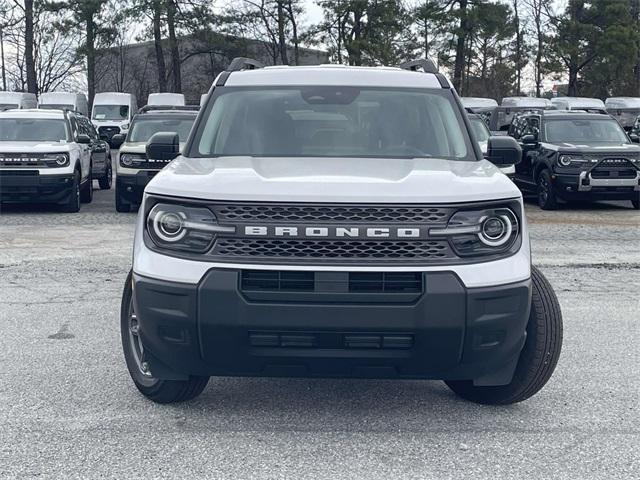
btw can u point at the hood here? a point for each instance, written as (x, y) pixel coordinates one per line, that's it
(138, 147)
(35, 147)
(599, 148)
(371, 180)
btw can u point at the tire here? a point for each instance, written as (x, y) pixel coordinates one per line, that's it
(636, 201)
(73, 204)
(107, 178)
(86, 191)
(156, 390)
(122, 206)
(547, 199)
(539, 355)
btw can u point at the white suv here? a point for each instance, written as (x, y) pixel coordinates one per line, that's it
(336, 222)
(46, 156)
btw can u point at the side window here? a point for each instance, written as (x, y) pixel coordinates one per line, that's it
(75, 128)
(516, 128)
(88, 127)
(533, 126)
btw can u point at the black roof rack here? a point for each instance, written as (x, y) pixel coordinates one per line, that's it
(183, 108)
(243, 63)
(425, 64)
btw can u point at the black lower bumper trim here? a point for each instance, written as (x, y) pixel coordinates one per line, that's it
(22, 187)
(448, 332)
(131, 187)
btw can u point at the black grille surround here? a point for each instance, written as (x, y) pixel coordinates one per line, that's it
(331, 251)
(614, 167)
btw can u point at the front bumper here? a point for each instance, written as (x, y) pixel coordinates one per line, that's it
(586, 186)
(131, 186)
(30, 186)
(444, 331)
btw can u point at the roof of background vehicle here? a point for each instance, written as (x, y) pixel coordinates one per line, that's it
(568, 114)
(60, 95)
(577, 102)
(17, 95)
(622, 102)
(32, 113)
(525, 102)
(338, 75)
(478, 102)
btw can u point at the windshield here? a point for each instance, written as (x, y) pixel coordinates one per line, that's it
(332, 121)
(143, 128)
(584, 131)
(56, 106)
(8, 106)
(33, 130)
(110, 112)
(480, 129)
(626, 118)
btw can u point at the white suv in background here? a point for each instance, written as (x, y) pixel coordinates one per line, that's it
(45, 157)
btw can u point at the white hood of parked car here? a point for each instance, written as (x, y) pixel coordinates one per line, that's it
(371, 180)
(35, 147)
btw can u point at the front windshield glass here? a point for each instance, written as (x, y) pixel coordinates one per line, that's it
(584, 131)
(56, 106)
(330, 121)
(33, 130)
(8, 106)
(110, 112)
(480, 129)
(143, 128)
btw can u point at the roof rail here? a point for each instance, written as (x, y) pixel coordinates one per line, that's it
(184, 108)
(243, 63)
(425, 64)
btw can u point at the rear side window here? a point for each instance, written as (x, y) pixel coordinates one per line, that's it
(333, 121)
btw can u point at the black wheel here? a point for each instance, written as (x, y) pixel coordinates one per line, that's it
(636, 201)
(159, 391)
(122, 205)
(73, 204)
(547, 199)
(86, 191)
(107, 178)
(538, 358)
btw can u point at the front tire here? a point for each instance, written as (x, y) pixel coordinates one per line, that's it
(539, 355)
(547, 199)
(107, 178)
(122, 206)
(156, 390)
(73, 203)
(86, 192)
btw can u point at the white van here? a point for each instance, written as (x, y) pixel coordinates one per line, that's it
(625, 110)
(527, 102)
(579, 103)
(478, 102)
(174, 99)
(112, 112)
(10, 100)
(76, 102)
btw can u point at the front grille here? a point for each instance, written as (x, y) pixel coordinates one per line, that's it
(109, 131)
(265, 249)
(330, 213)
(347, 282)
(614, 168)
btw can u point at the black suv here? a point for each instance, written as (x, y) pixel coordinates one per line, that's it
(575, 156)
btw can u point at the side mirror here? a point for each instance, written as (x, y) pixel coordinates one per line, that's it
(83, 138)
(530, 140)
(634, 137)
(163, 146)
(503, 151)
(117, 140)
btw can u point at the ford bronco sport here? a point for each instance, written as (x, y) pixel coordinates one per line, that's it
(336, 221)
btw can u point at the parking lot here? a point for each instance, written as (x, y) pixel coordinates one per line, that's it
(69, 410)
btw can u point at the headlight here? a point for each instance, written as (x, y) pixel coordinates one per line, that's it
(565, 160)
(481, 232)
(574, 161)
(179, 227)
(56, 160)
(124, 127)
(132, 160)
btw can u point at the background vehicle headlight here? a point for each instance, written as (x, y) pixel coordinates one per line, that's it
(180, 227)
(481, 232)
(56, 160)
(125, 126)
(565, 160)
(131, 160)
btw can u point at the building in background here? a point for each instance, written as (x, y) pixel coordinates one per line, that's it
(132, 68)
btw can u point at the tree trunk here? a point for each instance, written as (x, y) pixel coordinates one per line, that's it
(516, 20)
(573, 81)
(173, 46)
(32, 82)
(458, 68)
(294, 32)
(91, 59)
(282, 42)
(4, 70)
(157, 40)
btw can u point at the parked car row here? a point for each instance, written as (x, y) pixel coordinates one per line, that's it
(573, 148)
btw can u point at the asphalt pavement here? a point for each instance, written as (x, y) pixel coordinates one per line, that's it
(69, 410)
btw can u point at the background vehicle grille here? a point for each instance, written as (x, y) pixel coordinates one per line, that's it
(332, 250)
(614, 168)
(331, 213)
